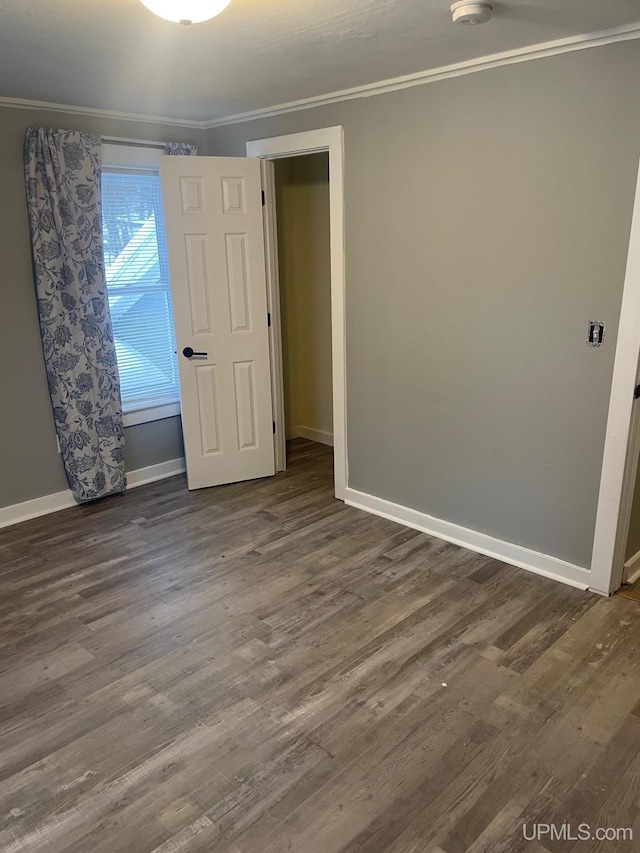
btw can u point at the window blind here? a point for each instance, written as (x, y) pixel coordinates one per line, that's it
(138, 288)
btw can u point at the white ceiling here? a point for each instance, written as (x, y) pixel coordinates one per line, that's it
(116, 55)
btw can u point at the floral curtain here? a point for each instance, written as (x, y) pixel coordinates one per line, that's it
(62, 170)
(181, 148)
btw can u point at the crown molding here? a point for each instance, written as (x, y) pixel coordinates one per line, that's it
(542, 50)
(71, 109)
(444, 72)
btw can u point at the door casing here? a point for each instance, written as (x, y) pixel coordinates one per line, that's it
(622, 442)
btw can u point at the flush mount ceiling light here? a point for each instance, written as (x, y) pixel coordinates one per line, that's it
(186, 11)
(468, 12)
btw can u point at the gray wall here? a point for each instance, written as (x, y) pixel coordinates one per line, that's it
(302, 198)
(30, 465)
(487, 220)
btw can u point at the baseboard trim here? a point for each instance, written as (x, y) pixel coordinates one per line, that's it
(313, 435)
(507, 552)
(632, 569)
(38, 506)
(142, 476)
(47, 504)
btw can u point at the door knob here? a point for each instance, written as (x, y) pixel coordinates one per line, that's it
(187, 352)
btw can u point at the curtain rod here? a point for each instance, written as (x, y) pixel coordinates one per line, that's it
(122, 140)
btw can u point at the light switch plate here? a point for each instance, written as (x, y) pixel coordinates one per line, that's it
(595, 334)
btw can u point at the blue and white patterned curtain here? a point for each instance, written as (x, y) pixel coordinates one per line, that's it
(181, 148)
(62, 170)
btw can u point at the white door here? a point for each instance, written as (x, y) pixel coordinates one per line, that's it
(213, 221)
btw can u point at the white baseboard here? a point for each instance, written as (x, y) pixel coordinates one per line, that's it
(142, 476)
(38, 506)
(312, 434)
(62, 500)
(632, 569)
(507, 552)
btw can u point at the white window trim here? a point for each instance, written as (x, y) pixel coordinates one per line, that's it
(122, 157)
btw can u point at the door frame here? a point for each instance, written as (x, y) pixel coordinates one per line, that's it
(622, 441)
(267, 172)
(330, 139)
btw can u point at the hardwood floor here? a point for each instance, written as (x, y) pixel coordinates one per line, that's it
(257, 668)
(631, 590)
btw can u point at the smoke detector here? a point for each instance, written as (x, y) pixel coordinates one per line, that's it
(469, 12)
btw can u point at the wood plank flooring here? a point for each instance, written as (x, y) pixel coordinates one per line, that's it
(630, 590)
(258, 668)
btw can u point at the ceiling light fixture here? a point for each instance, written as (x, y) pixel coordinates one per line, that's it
(468, 12)
(186, 11)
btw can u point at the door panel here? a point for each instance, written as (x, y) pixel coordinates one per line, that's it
(214, 232)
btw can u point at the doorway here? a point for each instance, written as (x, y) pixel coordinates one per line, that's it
(302, 216)
(330, 141)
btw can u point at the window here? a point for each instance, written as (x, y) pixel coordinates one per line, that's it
(138, 289)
